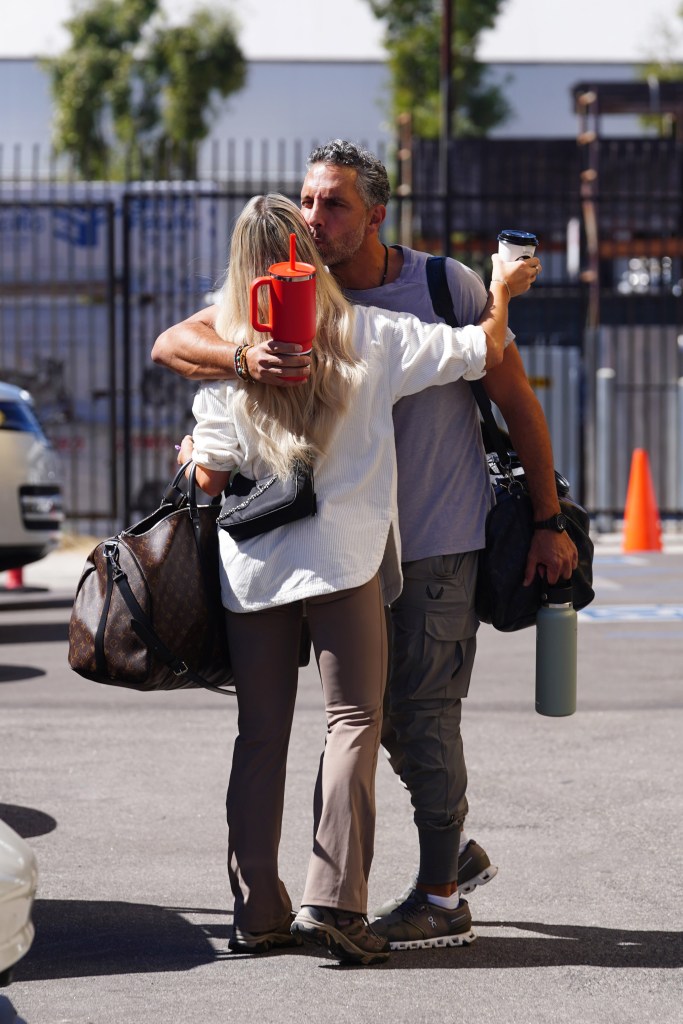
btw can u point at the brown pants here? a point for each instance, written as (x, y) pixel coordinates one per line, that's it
(349, 640)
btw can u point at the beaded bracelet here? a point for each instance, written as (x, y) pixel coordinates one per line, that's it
(244, 365)
(236, 359)
(241, 365)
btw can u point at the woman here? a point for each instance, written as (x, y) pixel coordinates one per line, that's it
(343, 563)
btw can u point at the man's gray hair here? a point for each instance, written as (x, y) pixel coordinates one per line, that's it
(372, 182)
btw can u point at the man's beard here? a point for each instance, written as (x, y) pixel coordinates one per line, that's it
(342, 249)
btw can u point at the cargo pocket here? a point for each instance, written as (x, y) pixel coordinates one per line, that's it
(429, 662)
(434, 626)
(450, 654)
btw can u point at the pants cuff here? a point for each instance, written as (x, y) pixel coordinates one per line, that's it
(439, 855)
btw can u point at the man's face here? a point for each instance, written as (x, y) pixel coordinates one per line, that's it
(336, 215)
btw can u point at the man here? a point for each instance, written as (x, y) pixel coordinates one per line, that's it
(443, 496)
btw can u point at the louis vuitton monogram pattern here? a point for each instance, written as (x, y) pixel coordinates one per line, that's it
(159, 558)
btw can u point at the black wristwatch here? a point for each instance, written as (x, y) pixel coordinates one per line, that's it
(558, 523)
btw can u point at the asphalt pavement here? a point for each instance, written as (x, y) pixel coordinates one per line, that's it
(121, 795)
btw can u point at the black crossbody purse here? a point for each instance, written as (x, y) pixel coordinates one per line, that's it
(252, 507)
(501, 597)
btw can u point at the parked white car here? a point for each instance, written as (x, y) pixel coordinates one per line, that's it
(18, 883)
(31, 512)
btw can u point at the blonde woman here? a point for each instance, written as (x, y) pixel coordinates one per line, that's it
(343, 564)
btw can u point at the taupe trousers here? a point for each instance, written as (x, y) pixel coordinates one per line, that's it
(349, 639)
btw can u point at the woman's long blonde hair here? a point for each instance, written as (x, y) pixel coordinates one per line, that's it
(292, 423)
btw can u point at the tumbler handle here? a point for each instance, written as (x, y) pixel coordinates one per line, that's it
(260, 282)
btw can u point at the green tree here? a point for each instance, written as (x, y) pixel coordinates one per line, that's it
(664, 67)
(413, 40)
(133, 94)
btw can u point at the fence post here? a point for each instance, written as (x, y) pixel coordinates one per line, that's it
(126, 372)
(604, 447)
(679, 475)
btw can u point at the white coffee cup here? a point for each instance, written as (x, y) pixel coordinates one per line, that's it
(516, 245)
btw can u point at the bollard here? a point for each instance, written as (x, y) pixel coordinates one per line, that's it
(680, 442)
(15, 579)
(604, 447)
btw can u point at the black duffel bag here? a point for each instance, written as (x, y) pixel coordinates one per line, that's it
(502, 599)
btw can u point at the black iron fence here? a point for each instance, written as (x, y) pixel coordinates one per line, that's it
(91, 273)
(609, 217)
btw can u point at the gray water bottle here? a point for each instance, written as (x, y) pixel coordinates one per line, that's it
(556, 635)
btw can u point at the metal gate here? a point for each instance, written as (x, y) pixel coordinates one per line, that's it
(88, 280)
(58, 337)
(91, 273)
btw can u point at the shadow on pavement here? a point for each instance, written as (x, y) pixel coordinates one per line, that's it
(40, 633)
(26, 821)
(552, 946)
(87, 938)
(14, 673)
(8, 1015)
(34, 599)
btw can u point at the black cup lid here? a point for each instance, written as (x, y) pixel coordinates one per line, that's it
(517, 237)
(557, 593)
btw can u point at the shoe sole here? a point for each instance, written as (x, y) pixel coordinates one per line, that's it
(482, 878)
(443, 941)
(264, 945)
(335, 943)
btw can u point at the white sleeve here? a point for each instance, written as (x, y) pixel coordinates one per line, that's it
(420, 355)
(216, 445)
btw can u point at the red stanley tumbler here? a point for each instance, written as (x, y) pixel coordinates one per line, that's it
(291, 302)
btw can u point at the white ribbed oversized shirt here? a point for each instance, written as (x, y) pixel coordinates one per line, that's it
(355, 482)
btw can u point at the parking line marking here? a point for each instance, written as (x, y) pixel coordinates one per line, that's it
(632, 613)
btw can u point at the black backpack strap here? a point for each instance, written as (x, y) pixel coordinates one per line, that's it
(439, 292)
(442, 303)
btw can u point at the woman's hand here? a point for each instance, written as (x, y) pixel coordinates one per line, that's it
(518, 275)
(185, 450)
(211, 481)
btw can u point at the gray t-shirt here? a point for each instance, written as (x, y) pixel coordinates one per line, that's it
(444, 490)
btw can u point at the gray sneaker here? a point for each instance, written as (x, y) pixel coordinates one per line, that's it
(418, 924)
(242, 941)
(474, 868)
(346, 936)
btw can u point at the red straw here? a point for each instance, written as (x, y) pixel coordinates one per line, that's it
(292, 252)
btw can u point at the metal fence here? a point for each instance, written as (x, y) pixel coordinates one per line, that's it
(91, 273)
(609, 215)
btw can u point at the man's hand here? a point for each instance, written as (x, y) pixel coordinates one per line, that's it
(279, 364)
(552, 555)
(192, 349)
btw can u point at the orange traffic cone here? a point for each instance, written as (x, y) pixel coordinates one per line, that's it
(642, 528)
(15, 579)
